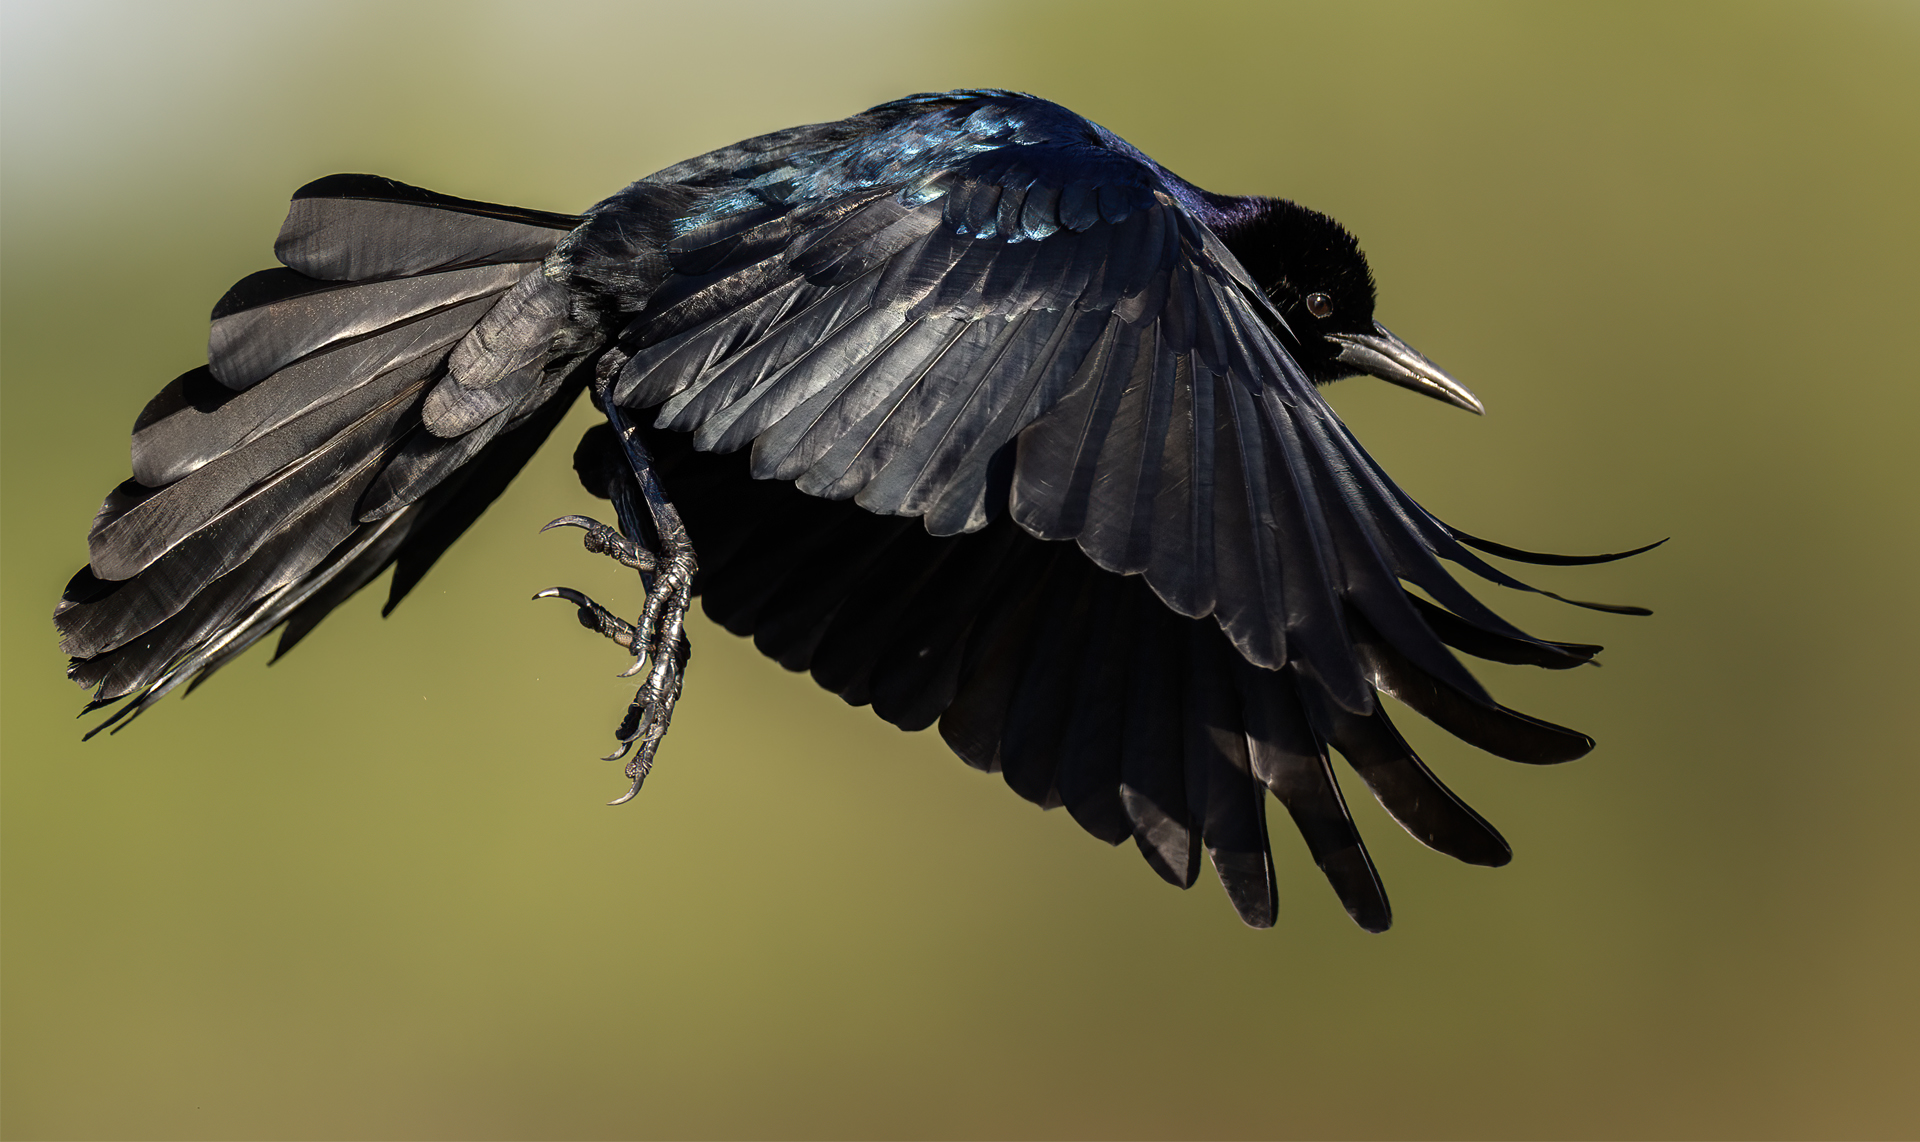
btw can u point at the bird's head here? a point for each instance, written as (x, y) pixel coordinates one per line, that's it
(1315, 275)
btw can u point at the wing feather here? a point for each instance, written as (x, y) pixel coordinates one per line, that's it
(1289, 758)
(1153, 785)
(1406, 788)
(1231, 805)
(1088, 777)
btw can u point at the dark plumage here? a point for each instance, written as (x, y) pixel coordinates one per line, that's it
(962, 404)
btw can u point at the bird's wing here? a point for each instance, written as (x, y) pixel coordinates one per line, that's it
(298, 462)
(889, 345)
(1080, 687)
(1042, 332)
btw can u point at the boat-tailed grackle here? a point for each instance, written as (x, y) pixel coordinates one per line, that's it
(962, 404)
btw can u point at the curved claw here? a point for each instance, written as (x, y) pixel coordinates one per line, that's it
(567, 593)
(626, 747)
(631, 793)
(630, 671)
(579, 521)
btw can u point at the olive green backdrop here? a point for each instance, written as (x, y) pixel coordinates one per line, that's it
(372, 892)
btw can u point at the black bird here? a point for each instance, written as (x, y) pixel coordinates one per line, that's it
(962, 404)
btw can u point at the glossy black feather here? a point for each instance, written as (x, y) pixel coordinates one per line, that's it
(1153, 783)
(363, 228)
(257, 333)
(177, 438)
(247, 507)
(130, 639)
(1230, 804)
(251, 488)
(499, 366)
(1406, 788)
(1544, 558)
(1088, 777)
(312, 500)
(1463, 635)
(1289, 757)
(1494, 728)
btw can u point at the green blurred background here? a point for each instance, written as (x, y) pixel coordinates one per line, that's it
(372, 892)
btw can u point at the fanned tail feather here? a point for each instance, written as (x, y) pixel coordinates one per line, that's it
(294, 467)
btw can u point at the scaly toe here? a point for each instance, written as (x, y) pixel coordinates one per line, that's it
(595, 617)
(604, 540)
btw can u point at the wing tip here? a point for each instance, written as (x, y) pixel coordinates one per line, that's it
(1547, 558)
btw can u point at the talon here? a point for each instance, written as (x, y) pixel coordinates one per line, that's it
(604, 540)
(630, 794)
(579, 521)
(595, 617)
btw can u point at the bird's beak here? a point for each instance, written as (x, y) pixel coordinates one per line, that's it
(1381, 354)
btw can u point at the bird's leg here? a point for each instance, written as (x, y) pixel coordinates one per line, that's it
(658, 639)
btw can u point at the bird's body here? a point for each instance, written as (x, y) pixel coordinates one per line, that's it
(962, 404)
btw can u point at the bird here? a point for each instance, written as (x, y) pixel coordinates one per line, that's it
(962, 404)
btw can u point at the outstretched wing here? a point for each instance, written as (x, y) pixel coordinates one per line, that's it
(1043, 332)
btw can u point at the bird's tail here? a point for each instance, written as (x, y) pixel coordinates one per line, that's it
(360, 408)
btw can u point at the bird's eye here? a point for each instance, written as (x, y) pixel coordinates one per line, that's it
(1319, 304)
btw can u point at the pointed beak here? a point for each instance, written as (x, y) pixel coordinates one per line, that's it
(1381, 354)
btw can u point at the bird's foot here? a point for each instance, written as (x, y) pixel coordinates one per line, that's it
(658, 639)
